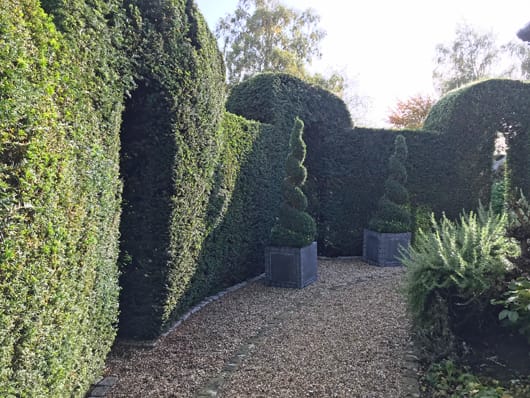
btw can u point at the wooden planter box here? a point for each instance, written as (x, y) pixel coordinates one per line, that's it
(291, 266)
(383, 248)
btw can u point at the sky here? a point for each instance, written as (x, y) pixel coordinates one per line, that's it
(387, 47)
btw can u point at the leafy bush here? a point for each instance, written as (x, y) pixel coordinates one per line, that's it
(518, 211)
(458, 267)
(171, 144)
(393, 212)
(446, 379)
(294, 227)
(516, 303)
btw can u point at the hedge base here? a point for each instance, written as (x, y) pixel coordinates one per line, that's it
(382, 249)
(291, 267)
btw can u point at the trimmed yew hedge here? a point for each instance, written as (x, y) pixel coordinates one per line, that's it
(277, 99)
(449, 166)
(61, 91)
(470, 118)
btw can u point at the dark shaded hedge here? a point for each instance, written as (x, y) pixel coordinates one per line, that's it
(470, 118)
(61, 90)
(244, 199)
(170, 149)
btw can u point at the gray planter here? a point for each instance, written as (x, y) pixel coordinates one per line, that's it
(291, 266)
(383, 248)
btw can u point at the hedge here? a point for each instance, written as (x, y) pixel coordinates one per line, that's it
(60, 107)
(449, 165)
(243, 202)
(277, 99)
(170, 148)
(470, 118)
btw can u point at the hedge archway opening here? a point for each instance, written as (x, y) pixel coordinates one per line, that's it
(146, 167)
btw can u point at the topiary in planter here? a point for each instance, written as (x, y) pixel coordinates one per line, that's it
(294, 226)
(291, 261)
(393, 212)
(389, 229)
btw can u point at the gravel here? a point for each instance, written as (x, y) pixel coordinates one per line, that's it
(347, 335)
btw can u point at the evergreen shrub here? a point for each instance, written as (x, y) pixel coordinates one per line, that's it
(393, 212)
(294, 226)
(455, 271)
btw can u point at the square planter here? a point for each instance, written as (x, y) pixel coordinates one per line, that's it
(383, 248)
(291, 266)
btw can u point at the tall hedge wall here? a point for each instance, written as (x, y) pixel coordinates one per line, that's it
(244, 197)
(356, 166)
(60, 109)
(277, 99)
(470, 118)
(170, 149)
(449, 163)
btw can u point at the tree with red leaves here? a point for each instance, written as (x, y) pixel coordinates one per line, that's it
(412, 112)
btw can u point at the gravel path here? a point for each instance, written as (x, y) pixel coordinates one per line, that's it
(345, 336)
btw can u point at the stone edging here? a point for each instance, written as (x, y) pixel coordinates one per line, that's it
(102, 387)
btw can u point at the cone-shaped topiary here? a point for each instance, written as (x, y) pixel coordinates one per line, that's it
(393, 212)
(294, 227)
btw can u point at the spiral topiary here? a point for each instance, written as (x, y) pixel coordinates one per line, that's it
(393, 211)
(294, 227)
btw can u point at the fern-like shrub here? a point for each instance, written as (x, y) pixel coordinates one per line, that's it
(455, 271)
(294, 227)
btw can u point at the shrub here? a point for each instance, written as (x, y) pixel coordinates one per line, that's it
(393, 212)
(446, 379)
(171, 145)
(457, 267)
(497, 200)
(516, 302)
(518, 211)
(295, 227)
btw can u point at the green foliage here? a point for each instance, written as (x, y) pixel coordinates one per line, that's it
(450, 164)
(277, 99)
(393, 214)
(267, 36)
(498, 191)
(445, 379)
(458, 267)
(516, 302)
(60, 105)
(470, 57)
(242, 205)
(294, 227)
(470, 119)
(518, 212)
(171, 145)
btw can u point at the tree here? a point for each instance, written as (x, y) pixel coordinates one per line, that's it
(294, 227)
(393, 211)
(519, 53)
(412, 112)
(266, 36)
(471, 56)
